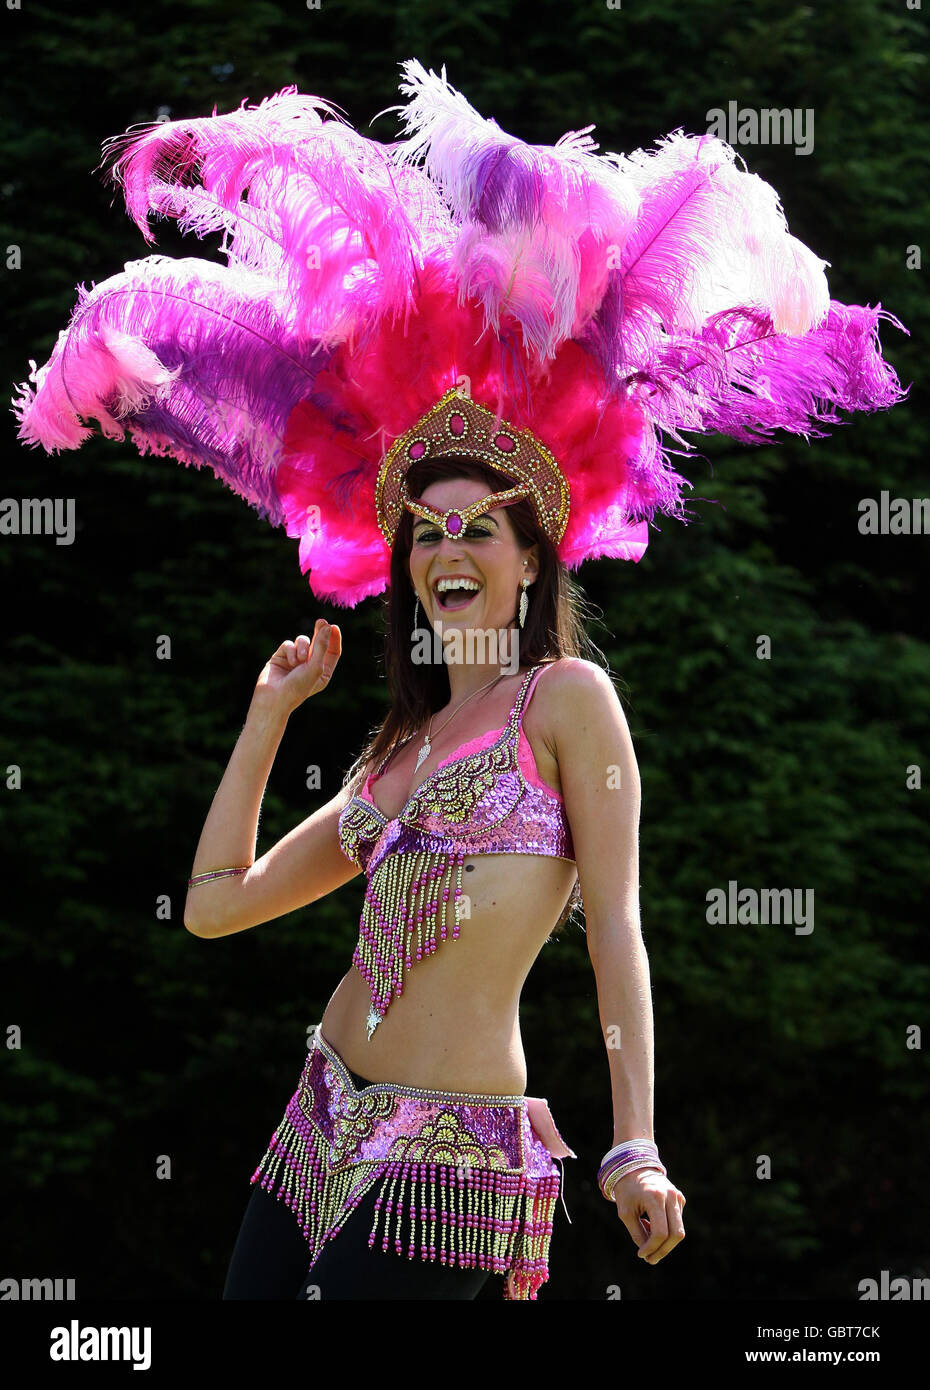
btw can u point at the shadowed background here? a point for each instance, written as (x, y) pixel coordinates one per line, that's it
(139, 1040)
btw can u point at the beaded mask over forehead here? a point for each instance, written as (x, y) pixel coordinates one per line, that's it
(455, 522)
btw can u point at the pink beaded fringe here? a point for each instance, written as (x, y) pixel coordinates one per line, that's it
(334, 1143)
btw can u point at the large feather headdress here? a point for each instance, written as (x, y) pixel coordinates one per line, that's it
(600, 303)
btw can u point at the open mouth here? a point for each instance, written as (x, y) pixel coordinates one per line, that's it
(454, 600)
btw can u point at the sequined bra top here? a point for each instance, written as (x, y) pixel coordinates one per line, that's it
(484, 798)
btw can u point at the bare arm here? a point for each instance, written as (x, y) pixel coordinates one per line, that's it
(601, 785)
(307, 863)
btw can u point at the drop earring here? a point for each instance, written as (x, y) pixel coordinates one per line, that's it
(524, 601)
(416, 610)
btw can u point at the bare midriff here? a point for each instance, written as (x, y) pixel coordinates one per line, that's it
(456, 1026)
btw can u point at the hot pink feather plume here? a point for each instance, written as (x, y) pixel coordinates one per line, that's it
(603, 301)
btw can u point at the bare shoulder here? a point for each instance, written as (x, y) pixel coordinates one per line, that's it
(569, 688)
(589, 741)
(574, 673)
(567, 692)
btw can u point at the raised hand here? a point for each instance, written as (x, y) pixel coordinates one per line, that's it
(301, 668)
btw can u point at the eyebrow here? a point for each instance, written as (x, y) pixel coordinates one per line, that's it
(425, 521)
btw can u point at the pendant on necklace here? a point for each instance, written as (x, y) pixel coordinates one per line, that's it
(422, 755)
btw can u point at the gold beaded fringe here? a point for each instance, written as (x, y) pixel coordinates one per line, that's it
(407, 893)
(486, 1219)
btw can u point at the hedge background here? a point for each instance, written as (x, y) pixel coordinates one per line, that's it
(138, 1039)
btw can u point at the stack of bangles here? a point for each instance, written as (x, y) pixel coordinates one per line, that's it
(215, 873)
(626, 1158)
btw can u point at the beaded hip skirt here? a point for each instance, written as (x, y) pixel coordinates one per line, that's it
(476, 1176)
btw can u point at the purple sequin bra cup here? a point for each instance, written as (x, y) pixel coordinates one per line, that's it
(475, 1177)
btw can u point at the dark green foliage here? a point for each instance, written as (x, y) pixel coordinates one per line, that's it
(139, 1040)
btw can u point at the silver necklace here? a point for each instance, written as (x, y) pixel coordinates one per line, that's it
(426, 749)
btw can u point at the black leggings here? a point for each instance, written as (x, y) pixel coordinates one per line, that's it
(271, 1256)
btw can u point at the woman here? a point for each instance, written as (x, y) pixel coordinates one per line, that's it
(388, 318)
(455, 1026)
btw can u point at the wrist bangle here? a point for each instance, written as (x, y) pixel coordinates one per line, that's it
(607, 1187)
(215, 873)
(628, 1157)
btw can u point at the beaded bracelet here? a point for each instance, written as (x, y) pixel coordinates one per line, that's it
(625, 1158)
(215, 873)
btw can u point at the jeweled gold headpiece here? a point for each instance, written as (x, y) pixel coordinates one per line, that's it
(457, 425)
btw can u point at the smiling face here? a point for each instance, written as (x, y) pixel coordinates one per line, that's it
(487, 552)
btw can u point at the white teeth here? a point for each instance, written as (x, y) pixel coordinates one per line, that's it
(445, 585)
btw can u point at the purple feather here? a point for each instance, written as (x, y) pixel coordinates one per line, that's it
(742, 379)
(193, 357)
(507, 188)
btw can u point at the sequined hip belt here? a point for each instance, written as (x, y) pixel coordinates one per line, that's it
(475, 1176)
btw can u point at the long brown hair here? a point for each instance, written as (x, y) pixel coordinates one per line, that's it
(555, 624)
